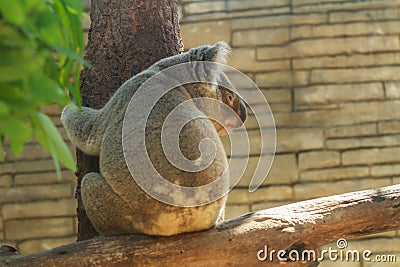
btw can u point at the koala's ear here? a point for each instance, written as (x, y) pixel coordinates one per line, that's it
(215, 53)
(220, 52)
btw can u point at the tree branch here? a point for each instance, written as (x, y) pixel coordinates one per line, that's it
(303, 225)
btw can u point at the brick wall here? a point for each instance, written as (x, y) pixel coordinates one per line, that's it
(330, 71)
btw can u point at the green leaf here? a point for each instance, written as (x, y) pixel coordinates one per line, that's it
(41, 43)
(17, 131)
(48, 136)
(12, 11)
(10, 36)
(46, 91)
(16, 65)
(74, 7)
(72, 54)
(4, 108)
(49, 34)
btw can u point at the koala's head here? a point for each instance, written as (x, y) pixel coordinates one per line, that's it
(231, 111)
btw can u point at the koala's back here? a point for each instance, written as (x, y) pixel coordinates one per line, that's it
(144, 213)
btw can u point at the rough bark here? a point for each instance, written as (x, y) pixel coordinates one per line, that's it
(299, 226)
(125, 37)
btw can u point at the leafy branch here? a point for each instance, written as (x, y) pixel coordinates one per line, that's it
(41, 45)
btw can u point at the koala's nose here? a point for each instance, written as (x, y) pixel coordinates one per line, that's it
(242, 111)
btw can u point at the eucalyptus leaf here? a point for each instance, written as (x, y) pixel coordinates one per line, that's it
(13, 11)
(49, 137)
(41, 44)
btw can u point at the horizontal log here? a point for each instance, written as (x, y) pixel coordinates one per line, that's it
(299, 226)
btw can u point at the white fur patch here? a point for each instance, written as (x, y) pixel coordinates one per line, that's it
(224, 51)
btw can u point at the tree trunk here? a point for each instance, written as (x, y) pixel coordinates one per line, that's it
(301, 227)
(125, 37)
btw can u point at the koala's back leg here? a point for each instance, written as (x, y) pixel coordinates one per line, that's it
(85, 128)
(109, 214)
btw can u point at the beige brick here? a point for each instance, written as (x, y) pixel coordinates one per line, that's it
(236, 166)
(241, 148)
(195, 34)
(355, 75)
(352, 130)
(52, 110)
(253, 124)
(86, 5)
(318, 159)
(268, 205)
(39, 192)
(389, 127)
(297, 3)
(384, 234)
(60, 207)
(283, 169)
(250, 4)
(332, 106)
(335, 46)
(203, 7)
(56, 120)
(271, 53)
(334, 174)
(350, 29)
(385, 170)
(236, 14)
(1, 224)
(85, 38)
(232, 211)
(280, 107)
(273, 36)
(244, 59)
(1, 236)
(381, 141)
(253, 97)
(354, 60)
(5, 180)
(31, 152)
(277, 21)
(292, 140)
(278, 95)
(26, 166)
(271, 193)
(324, 94)
(347, 5)
(38, 228)
(44, 178)
(371, 156)
(364, 15)
(33, 246)
(321, 189)
(392, 90)
(347, 114)
(282, 79)
(396, 180)
(180, 12)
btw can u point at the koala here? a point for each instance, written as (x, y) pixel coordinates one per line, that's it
(114, 202)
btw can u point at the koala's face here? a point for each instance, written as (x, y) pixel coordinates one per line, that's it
(227, 113)
(231, 111)
(230, 120)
